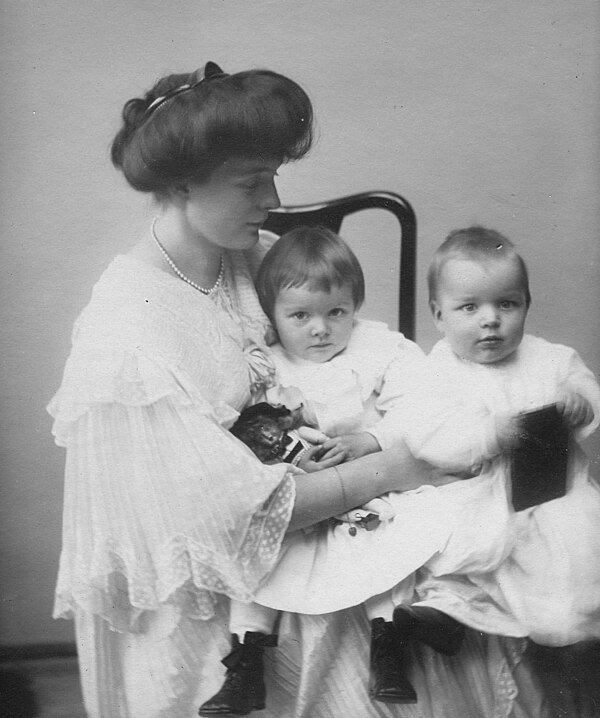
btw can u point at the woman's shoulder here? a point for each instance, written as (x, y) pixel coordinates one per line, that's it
(134, 301)
(141, 332)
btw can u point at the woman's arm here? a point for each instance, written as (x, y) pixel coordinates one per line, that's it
(327, 493)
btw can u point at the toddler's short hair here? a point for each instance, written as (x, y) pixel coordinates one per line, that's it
(315, 256)
(478, 244)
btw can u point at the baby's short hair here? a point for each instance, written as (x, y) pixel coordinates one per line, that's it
(478, 244)
(314, 256)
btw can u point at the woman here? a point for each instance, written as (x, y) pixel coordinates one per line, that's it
(166, 514)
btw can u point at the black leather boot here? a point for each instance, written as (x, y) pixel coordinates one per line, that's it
(244, 688)
(388, 684)
(432, 627)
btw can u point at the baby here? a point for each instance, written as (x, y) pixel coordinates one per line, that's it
(478, 379)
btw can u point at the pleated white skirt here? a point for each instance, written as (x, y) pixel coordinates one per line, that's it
(319, 670)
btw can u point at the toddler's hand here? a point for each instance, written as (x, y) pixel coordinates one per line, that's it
(349, 446)
(311, 460)
(313, 436)
(575, 409)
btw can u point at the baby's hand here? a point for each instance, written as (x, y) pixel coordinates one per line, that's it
(508, 431)
(349, 446)
(575, 409)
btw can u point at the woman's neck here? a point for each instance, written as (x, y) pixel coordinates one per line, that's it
(170, 237)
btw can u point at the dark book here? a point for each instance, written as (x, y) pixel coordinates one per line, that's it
(539, 461)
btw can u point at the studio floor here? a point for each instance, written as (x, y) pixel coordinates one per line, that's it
(49, 688)
(46, 688)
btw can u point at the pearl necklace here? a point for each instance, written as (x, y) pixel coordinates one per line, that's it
(180, 274)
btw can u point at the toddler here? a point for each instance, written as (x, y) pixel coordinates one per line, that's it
(351, 377)
(478, 378)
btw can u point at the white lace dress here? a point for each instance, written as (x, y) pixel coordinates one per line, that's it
(166, 514)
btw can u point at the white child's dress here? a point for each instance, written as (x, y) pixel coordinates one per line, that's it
(549, 587)
(364, 388)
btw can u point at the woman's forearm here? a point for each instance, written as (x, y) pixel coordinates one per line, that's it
(334, 491)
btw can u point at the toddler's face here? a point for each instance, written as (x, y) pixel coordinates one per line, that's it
(314, 325)
(481, 309)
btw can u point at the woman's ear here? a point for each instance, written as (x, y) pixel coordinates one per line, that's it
(181, 190)
(179, 193)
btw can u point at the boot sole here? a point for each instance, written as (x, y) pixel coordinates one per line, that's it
(398, 700)
(219, 712)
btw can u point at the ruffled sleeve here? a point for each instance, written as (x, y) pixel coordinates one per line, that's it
(123, 376)
(163, 505)
(157, 517)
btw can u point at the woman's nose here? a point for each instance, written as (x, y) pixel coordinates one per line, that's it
(271, 198)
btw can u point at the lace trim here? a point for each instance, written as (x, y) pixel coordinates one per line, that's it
(116, 586)
(507, 687)
(236, 296)
(136, 382)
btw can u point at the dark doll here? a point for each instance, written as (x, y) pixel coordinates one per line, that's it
(268, 431)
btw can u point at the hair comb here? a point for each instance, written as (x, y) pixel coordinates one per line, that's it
(211, 71)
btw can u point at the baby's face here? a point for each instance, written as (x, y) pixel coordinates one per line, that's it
(314, 325)
(481, 309)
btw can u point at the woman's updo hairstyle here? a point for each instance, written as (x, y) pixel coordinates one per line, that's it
(187, 125)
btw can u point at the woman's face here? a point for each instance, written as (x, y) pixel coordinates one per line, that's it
(231, 206)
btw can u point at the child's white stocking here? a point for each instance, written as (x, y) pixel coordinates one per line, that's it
(252, 617)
